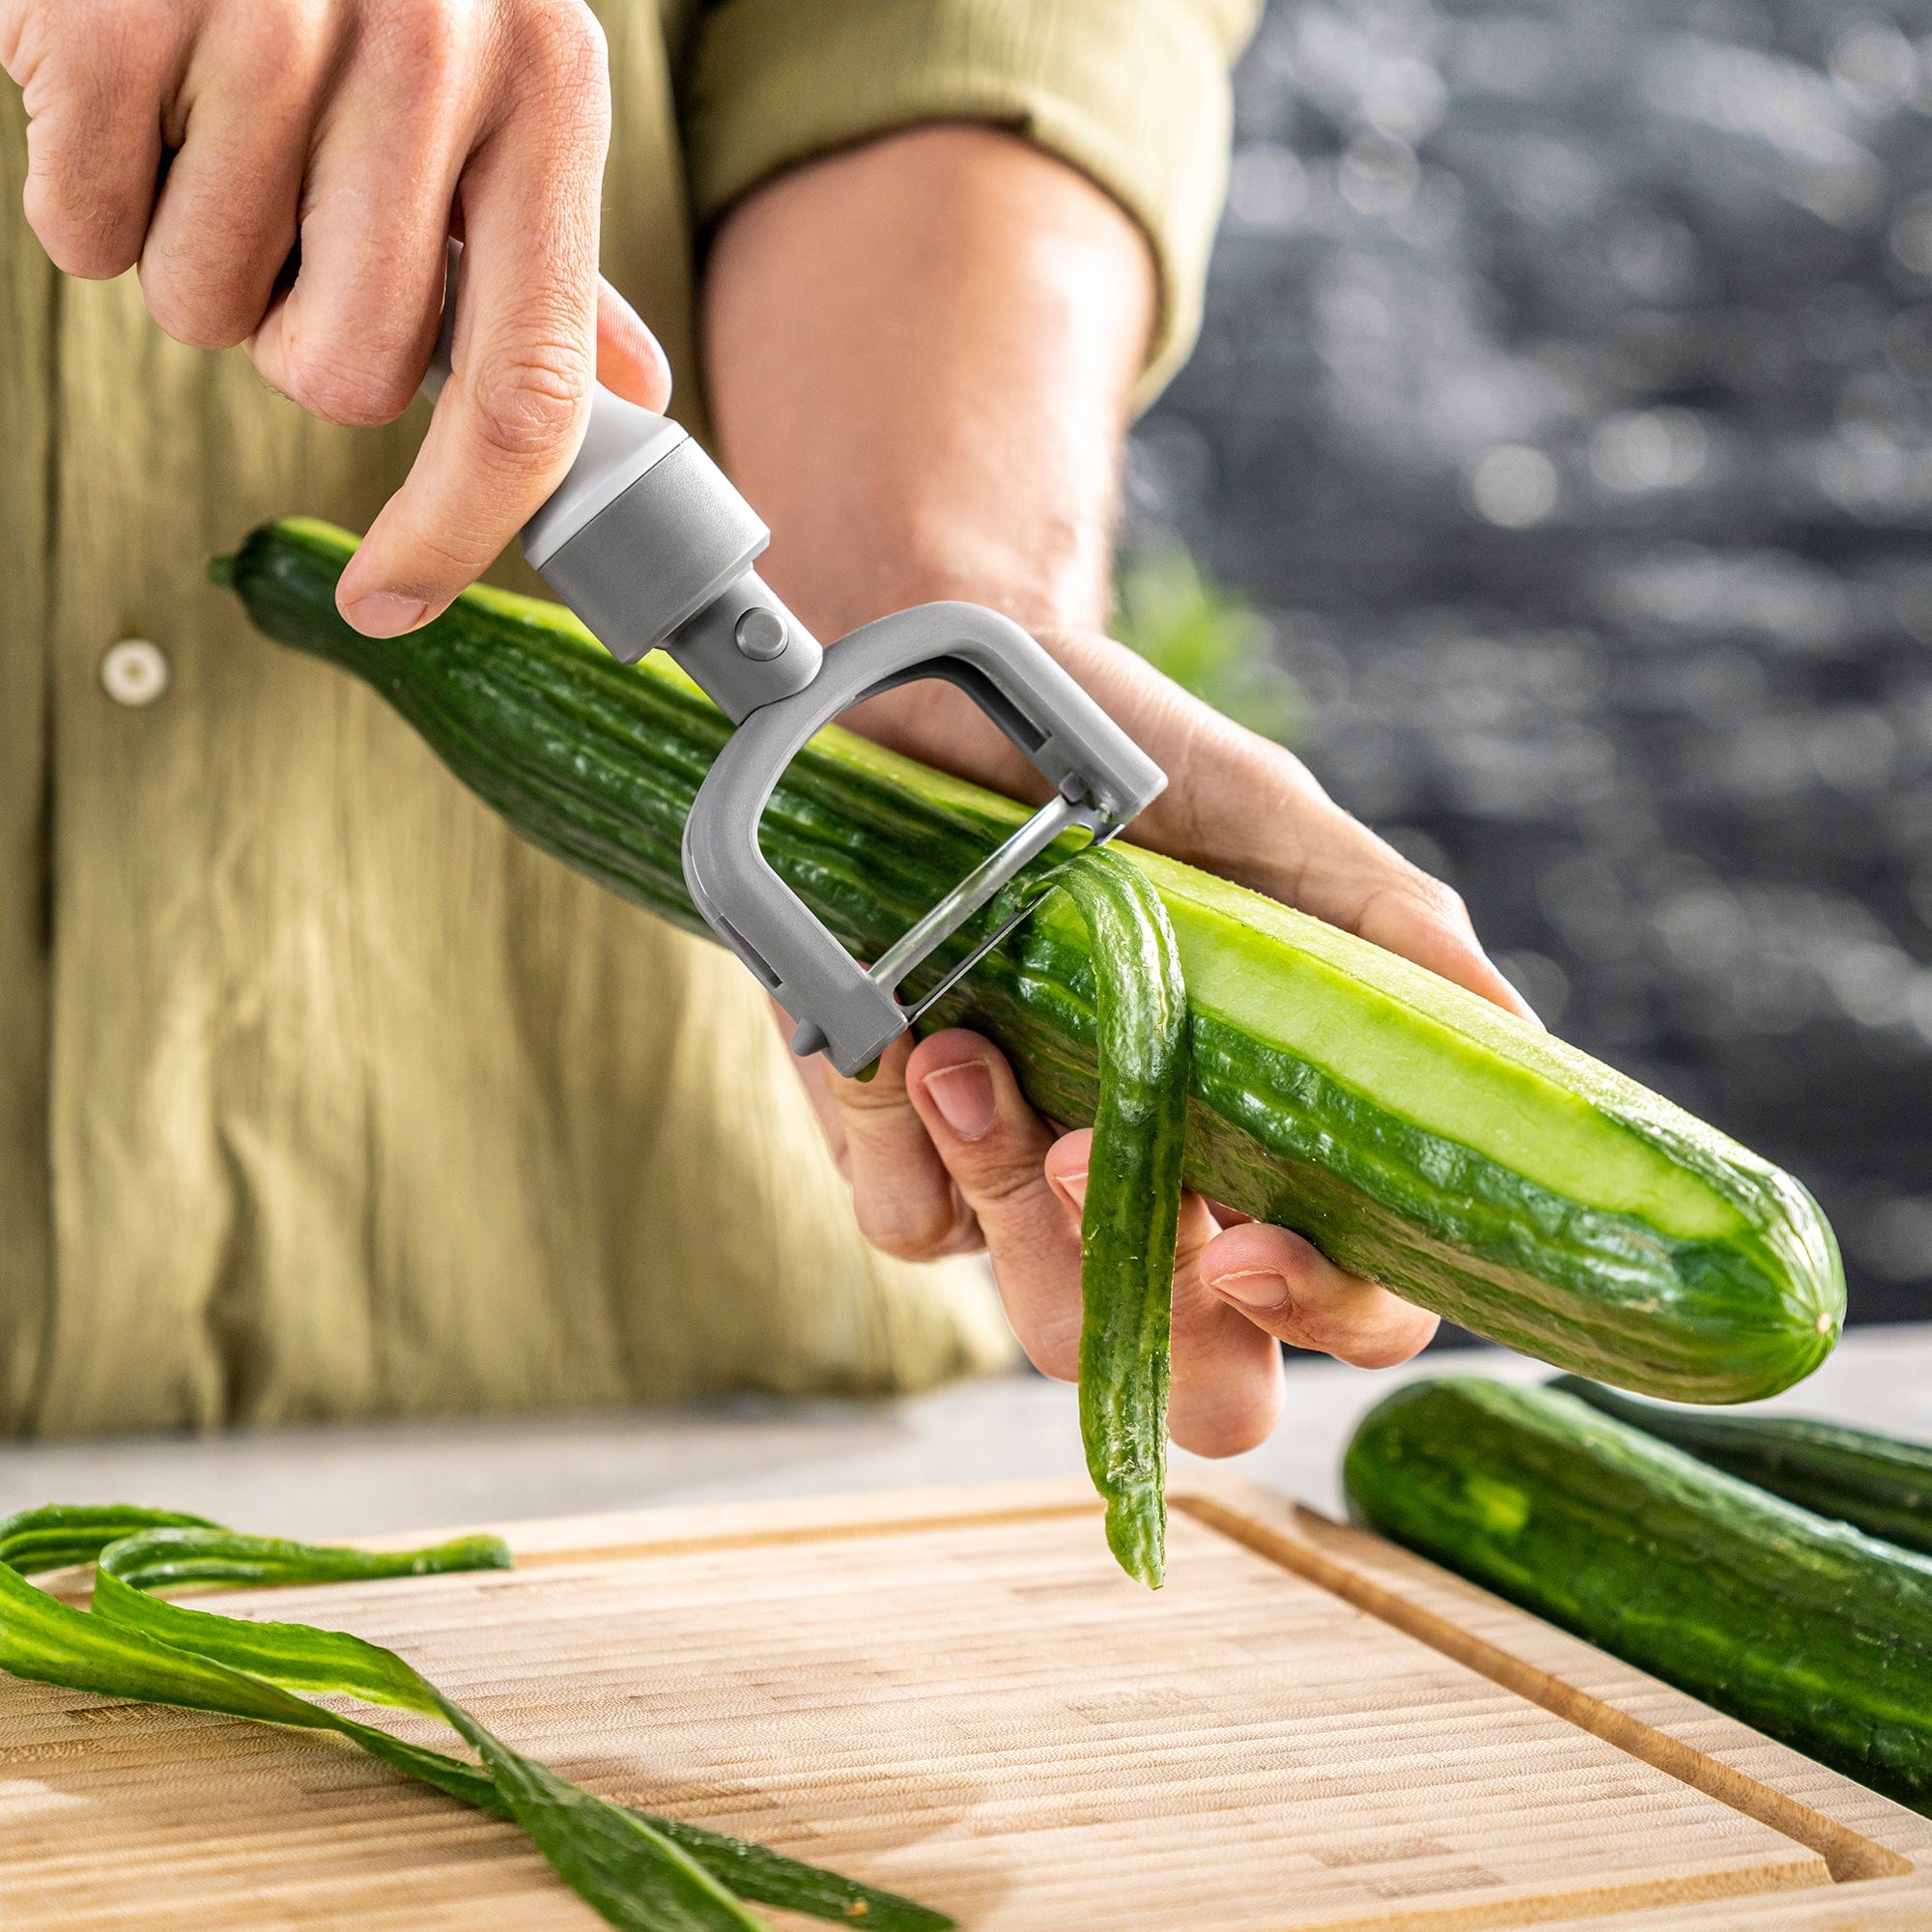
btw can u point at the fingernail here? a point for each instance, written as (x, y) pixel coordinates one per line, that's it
(1530, 1012)
(1258, 1289)
(1074, 1187)
(964, 1097)
(384, 614)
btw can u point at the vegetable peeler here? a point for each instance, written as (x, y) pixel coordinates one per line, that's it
(650, 544)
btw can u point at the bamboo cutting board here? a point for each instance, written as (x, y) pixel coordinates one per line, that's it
(955, 1694)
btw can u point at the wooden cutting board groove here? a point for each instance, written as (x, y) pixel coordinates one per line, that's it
(956, 1695)
(1848, 1853)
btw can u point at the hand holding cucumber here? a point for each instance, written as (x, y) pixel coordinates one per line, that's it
(286, 173)
(944, 1152)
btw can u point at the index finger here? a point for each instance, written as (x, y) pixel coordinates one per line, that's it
(1286, 1286)
(510, 418)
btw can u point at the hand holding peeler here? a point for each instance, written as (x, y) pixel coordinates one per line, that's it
(650, 544)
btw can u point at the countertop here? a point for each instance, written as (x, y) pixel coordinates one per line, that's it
(371, 1479)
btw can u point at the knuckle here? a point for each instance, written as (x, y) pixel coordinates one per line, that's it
(1054, 1349)
(36, 42)
(358, 391)
(1416, 899)
(447, 559)
(562, 83)
(528, 403)
(907, 1231)
(1227, 1430)
(1443, 901)
(425, 42)
(563, 43)
(904, 1213)
(1001, 1183)
(1386, 1347)
(269, 53)
(863, 1103)
(1423, 894)
(205, 310)
(86, 234)
(199, 321)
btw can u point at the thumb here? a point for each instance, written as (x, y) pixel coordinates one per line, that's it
(631, 361)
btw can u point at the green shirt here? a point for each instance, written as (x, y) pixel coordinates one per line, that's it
(321, 1094)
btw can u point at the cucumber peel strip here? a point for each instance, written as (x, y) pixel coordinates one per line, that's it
(640, 1872)
(1132, 1213)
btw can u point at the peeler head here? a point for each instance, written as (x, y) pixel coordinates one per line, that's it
(851, 1012)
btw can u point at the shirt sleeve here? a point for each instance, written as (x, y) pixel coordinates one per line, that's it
(1133, 93)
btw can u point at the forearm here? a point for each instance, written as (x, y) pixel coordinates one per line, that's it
(920, 354)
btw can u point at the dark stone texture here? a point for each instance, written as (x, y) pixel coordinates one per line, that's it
(1565, 400)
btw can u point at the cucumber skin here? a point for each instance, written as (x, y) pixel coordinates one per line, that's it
(597, 764)
(1879, 1484)
(1132, 1210)
(1817, 1634)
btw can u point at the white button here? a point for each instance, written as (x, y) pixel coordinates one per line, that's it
(134, 672)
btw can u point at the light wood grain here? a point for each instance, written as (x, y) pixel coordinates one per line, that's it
(955, 1694)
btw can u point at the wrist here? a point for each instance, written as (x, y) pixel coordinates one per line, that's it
(921, 353)
(1049, 587)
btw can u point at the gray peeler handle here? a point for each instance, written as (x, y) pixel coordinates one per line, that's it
(644, 535)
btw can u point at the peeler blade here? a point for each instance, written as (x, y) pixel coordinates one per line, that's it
(841, 1009)
(982, 886)
(1042, 888)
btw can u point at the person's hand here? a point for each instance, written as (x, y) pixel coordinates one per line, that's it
(945, 1155)
(286, 173)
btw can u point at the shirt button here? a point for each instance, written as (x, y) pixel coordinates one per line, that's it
(134, 672)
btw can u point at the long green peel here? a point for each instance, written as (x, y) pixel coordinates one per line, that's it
(1129, 1221)
(643, 1873)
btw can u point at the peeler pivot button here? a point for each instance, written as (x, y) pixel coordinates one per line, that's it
(760, 634)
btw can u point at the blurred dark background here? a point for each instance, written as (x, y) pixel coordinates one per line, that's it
(1564, 415)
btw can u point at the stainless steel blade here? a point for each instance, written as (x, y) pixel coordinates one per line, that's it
(1103, 832)
(980, 886)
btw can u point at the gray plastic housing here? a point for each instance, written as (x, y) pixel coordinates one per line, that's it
(621, 442)
(666, 560)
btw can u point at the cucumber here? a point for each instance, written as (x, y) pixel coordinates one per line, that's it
(1810, 1630)
(1882, 1483)
(1416, 1134)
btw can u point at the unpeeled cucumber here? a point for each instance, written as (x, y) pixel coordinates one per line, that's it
(1810, 1630)
(1881, 1483)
